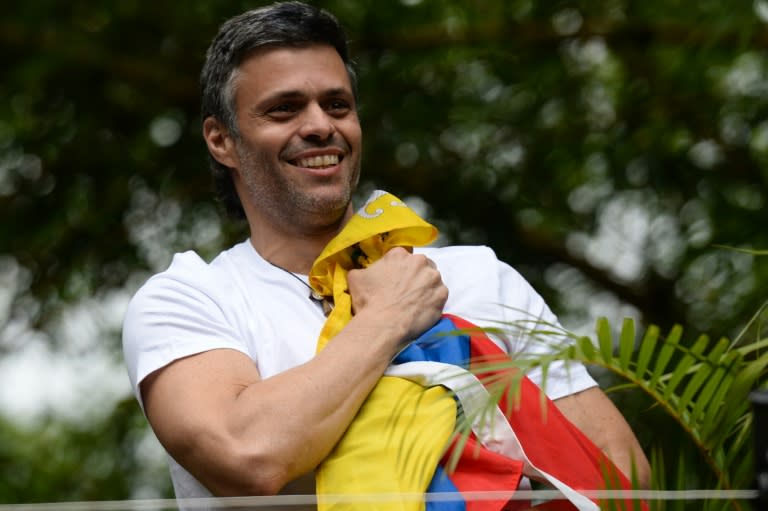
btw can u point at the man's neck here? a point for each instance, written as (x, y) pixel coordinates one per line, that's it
(292, 254)
(293, 250)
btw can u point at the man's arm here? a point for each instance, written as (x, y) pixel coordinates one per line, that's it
(239, 434)
(598, 418)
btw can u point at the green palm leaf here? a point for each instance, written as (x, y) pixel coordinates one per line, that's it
(626, 343)
(647, 347)
(665, 355)
(703, 386)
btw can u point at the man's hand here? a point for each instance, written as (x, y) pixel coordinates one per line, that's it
(400, 287)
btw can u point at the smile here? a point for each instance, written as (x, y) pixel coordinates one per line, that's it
(315, 162)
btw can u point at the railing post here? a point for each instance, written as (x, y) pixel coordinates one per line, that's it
(760, 432)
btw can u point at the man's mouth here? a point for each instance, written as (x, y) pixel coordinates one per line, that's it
(318, 162)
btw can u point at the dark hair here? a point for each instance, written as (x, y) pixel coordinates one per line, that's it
(283, 24)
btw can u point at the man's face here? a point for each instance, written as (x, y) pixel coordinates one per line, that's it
(300, 137)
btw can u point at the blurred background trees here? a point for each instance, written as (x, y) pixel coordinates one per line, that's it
(614, 152)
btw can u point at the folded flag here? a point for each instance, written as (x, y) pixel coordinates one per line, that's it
(514, 429)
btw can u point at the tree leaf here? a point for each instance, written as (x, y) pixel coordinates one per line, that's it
(605, 340)
(668, 348)
(647, 346)
(626, 343)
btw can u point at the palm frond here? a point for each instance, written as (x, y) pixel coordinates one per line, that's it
(703, 386)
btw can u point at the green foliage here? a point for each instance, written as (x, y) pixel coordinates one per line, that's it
(703, 387)
(59, 461)
(606, 149)
(540, 129)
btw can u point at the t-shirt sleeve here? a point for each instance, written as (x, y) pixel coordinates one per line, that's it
(533, 330)
(175, 314)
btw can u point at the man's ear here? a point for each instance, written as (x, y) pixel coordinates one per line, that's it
(220, 143)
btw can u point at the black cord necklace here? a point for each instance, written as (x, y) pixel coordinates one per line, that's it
(316, 297)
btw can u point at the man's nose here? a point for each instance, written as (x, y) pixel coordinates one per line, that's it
(316, 123)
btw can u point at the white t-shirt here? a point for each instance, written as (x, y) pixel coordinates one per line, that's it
(242, 302)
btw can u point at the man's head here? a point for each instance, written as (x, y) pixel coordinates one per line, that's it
(281, 25)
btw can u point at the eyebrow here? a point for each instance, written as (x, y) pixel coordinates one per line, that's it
(295, 94)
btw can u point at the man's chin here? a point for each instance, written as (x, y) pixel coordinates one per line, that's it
(331, 198)
(329, 209)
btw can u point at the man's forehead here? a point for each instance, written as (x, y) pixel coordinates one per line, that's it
(277, 51)
(288, 70)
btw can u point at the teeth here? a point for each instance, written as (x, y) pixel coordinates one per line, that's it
(319, 161)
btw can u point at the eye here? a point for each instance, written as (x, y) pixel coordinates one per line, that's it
(283, 110)
(338, 107)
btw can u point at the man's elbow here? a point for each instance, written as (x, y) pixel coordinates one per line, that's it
(236, 470)
(253, 485)
(252, 474)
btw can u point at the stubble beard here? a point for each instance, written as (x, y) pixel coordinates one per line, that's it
(285, 203)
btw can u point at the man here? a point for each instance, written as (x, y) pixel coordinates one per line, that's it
(222, 355)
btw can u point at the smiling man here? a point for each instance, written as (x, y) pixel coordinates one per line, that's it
(223, 355)
(296, 149)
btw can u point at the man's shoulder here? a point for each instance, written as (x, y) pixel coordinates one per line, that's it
(466, 253)
(464, 266)
(463, 258)
(190, 307)
(188, 270)
(470, 265)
